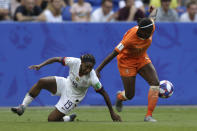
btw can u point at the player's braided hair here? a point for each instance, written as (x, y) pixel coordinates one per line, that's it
(145, 24)
(88, 58)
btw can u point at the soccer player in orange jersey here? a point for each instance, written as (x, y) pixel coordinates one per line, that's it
(132, 59)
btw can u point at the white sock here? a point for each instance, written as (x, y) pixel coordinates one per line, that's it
(27, 100)
(123, 94)
(66, 118)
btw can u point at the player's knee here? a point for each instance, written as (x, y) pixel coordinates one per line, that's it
(51, 119)
(41, 82)
(129, 95)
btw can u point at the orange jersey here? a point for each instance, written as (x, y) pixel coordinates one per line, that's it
(132, 47)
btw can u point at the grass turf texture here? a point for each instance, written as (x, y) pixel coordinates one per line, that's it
(98, 119)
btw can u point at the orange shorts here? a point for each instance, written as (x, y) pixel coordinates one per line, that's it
(132, 66)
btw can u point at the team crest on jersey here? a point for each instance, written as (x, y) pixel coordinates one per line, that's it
(120, 46)
(77, 78)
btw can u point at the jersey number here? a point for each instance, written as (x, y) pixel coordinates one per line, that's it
(68, 104)
(75, 84)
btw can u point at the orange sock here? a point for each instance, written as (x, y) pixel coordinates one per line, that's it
(152, 99)
(121, 96)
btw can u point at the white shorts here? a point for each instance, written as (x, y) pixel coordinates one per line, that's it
(66, 103)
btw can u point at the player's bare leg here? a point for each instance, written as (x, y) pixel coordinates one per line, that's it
(149, 73)
(56, 115)
(128, 93)
(48, 83)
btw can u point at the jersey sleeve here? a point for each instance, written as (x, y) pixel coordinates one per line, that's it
(125, 42)
(96, 84)
(68, 61)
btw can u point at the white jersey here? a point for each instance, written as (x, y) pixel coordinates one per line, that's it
(185, 18)
(98, 16)
(79, 84)
(51, 18)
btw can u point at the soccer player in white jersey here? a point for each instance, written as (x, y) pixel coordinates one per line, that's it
(71, 89)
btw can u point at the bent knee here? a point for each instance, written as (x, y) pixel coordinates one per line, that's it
(42, 81)
(51, 119)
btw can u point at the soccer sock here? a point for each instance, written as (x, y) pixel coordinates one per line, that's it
(122, 96)
(27, 100)
(66, 118)
(152, 99)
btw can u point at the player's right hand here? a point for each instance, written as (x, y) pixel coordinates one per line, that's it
(115, 117)
(35, 67)
(151, 8)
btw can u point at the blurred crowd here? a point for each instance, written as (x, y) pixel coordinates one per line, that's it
(96, 10)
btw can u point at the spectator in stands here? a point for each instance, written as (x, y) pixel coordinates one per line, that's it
(165, 13)
(27, 11)
(44, 4)
(52, 13)
(69, 2)
(128, 13)
(174, 3)
(14, 5)
(38, 2)
(81, 11)
(4, 9)
(191, 14)
(103, 13)
(138, 4)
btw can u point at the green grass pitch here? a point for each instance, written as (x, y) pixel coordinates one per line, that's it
(98, 119)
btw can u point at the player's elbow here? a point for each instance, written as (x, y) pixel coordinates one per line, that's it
(101, 91)
(55, 59)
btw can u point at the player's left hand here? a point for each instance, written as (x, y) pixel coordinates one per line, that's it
(34, 67)
(115, 117)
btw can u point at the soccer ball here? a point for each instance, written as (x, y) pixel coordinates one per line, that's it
(166, 89)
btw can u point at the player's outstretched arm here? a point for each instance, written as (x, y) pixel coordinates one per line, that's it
(105, 62)
(153, 13)
(114, 116)
(49, 61)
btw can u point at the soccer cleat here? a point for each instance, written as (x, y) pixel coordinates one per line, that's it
(118, 104)
(149, 119)
(18, 110)
(72, 117)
